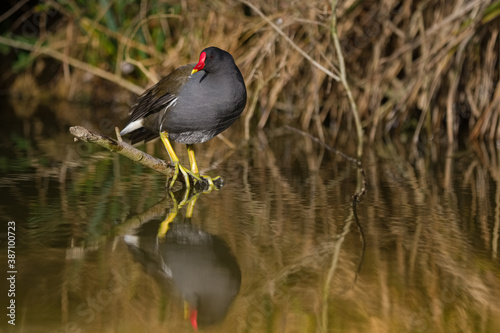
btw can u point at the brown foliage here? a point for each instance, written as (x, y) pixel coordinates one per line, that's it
(415, 68)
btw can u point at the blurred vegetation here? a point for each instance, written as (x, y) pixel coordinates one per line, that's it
(430, 223)
(420, 70)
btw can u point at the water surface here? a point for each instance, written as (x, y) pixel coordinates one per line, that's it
(280, 248)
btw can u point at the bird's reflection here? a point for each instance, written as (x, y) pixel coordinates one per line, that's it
(199, 265)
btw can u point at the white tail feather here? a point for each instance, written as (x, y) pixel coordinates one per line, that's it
(132, 126)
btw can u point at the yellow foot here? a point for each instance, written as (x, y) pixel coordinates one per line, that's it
(211, 182)
(191, 179)
(186, 173)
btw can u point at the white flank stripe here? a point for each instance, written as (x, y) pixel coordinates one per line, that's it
(171, 103)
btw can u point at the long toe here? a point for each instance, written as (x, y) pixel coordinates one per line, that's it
(200, 182)
(196, 177)
(176, 173)
(213, 183)
(186, 174)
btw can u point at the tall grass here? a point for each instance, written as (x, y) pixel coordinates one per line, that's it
(415, 69)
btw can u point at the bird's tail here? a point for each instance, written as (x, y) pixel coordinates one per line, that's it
(135, 125)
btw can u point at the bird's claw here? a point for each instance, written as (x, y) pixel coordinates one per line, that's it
(211, 182)
(191, 179)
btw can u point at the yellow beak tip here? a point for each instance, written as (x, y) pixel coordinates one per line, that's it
(194, 71)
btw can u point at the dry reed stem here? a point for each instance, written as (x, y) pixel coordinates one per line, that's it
(12, 10)
(291, 42)
(75, 63)
(414, 70)
(343, 79)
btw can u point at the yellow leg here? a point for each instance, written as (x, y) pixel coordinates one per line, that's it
(186, 310)
(192, 160)
(194, 172)
(177, 164)
(190, 201)
(194, 167)
(190, 207)
(165, 224)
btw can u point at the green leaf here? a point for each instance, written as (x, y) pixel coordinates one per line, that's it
(4, 49)
(23, 60)
(491, 12)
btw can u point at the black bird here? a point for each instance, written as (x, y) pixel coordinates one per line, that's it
(191, 105)
(199, 265)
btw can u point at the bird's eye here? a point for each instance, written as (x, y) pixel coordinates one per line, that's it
(212, 56)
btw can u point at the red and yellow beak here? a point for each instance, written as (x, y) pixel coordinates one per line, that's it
(191, 314)
(201, 63)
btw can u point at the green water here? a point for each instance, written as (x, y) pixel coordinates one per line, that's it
(280, 248)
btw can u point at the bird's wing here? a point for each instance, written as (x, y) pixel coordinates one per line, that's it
(159, 96)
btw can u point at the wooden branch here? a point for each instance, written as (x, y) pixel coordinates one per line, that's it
(124, 149)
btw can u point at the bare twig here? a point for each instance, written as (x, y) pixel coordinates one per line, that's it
(136, 155)
(12, 10)
(124, 149)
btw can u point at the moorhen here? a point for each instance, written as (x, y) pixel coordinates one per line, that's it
(199, 265)
(191, 105)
